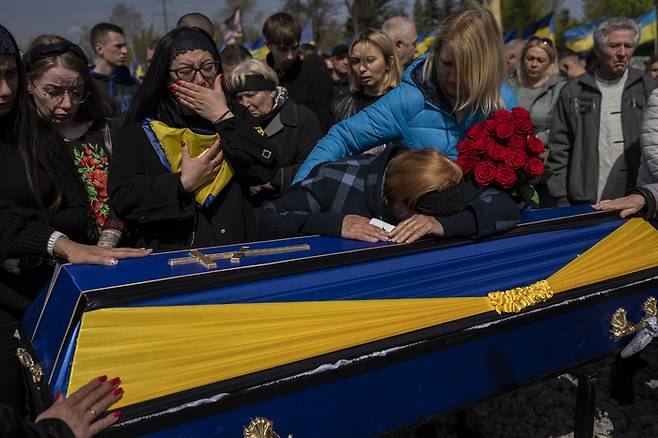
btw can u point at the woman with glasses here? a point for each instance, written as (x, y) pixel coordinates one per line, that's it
(539, 83)
(184, 160)
(65, 94)
(442, 94)
(374, 71)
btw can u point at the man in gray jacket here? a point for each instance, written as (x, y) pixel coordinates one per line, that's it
(594, 146)
(641, 199)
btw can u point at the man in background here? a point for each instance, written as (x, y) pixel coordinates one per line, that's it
(110, 72)
(198, 20)
(402, 31)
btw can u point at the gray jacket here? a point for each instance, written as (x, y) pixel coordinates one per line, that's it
(541, 103)
(649, 142)
(650, 194)
(573, 143)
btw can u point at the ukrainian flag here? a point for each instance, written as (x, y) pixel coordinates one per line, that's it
(580, 39)
(425, 41)
(647, 24)
(544, 28)
(511, 35)
(259, 50)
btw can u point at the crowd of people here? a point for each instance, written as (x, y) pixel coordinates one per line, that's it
(211, 148)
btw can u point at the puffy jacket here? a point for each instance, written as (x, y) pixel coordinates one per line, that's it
(412, 113)
(649, 142)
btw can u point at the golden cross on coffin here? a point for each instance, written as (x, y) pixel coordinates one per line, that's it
(208, 260)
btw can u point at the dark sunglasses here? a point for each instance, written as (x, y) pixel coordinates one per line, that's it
(547, 41)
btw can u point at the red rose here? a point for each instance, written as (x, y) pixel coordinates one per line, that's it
(482, 144)
(520, 113)
(534, 168)
(502, 116)
(467, 161)
(496, 152)
(101, 220)
(102, 192)
(490, 124)
(476, 131)
(535, 145)
(485, 173)
(88, 151)
(464, 146)
(505, 176)
(104, 160)
(523, 126)
(515, 158)
(504, 130)
(93, 161)
(517, 142)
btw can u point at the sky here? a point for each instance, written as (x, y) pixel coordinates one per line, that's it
(28, 18)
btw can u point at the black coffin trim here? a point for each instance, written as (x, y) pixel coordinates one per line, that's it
(244, 390)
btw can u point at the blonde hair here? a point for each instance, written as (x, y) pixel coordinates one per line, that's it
(477, 45)
(552, 69)
(416, 172)
(383, 42)
(251, 67)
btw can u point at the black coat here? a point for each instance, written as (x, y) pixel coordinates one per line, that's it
(346, 105)
(293, 131)
(308, 85)
(159, 213)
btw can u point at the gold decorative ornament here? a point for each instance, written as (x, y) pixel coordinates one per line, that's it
(208, 260)
(34, 368)
(620, 325)
(260, 428)
(520, 298)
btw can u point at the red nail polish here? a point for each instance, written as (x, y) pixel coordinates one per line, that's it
(115, 381)
(102, 378)
(58, 395)
(117, 414)
(178, 82)
(117, 392)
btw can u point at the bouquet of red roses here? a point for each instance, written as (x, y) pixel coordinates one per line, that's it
(502, 152)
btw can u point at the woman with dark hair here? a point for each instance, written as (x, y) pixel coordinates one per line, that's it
(184, 160)
(40, 200)
(65, 94)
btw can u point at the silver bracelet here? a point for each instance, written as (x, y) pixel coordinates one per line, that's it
(52, 240)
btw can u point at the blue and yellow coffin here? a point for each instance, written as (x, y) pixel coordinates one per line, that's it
(330, 337)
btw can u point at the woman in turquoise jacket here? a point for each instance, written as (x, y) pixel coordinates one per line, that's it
(442, 94)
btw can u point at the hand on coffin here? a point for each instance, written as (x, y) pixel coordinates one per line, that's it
(95, 255)
(360, 228)
(209, 103)
(194, 172)
(83, 409)
(627, 205)
(415, 227)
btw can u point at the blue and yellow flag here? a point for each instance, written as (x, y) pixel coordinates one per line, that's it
(544, 28)
(647, 24)
(425, 41)
(510, 36)
(580, 39)
(259, 50)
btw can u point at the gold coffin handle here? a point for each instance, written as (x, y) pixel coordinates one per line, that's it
(260, 428)
(620, 325)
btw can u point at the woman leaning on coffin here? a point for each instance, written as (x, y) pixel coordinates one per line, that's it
(442, 94)
(184, 160)
(40, 199)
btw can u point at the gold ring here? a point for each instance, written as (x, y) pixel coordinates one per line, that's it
(93, 411)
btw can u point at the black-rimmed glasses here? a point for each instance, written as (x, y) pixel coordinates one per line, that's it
(208, 70)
